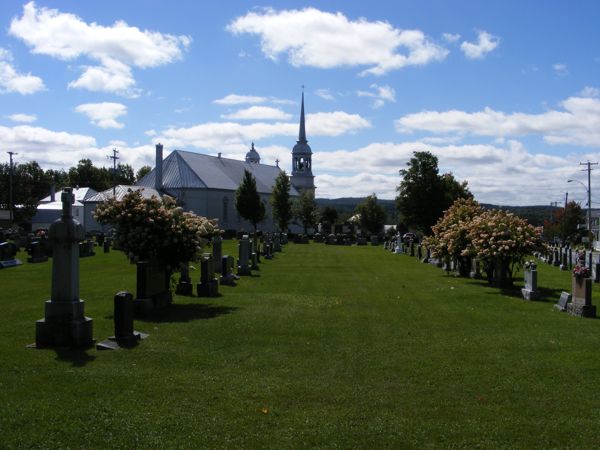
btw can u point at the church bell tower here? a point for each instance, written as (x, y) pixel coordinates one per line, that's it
(302, 177)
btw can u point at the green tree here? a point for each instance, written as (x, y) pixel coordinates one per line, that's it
(329, 216)
(372, 215)
(281, 202)
(144, 170)
(30, 185)
(564, 223)
(306, 211)
(247, 200)
(424, 194)
(85, 174)
(125, 174)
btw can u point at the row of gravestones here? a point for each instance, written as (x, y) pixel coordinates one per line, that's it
(565, 258)
(346, 239)
(39, 250)
(65, 324)
(153, 281)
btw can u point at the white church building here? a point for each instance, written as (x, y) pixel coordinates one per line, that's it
(206, 184)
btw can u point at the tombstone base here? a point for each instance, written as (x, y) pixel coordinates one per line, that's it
(227, 280)
(112, 343)
(184, 288)
(143, 306)
(398, 250)
(39, 259)
(475, 275)
(10, 263)
(563, 267)
(60, 333)
(579, 310)
(208, 289)
(529, 294)
(244, 270)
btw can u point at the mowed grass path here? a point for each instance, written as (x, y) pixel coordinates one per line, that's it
(329, 347)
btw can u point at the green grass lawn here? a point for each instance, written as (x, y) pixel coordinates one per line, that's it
(328, 347)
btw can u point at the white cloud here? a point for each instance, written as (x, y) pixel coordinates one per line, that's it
(486, 42)
(24, 118)
(578, 123)
(590, 92)
(117, 48)
(235, 99)
(258, 113)
(325, 94)
(560, 69)
(13, 81)
(227, 135)
(315, 38)
(381, 95)
(103, 115)
(451, 37)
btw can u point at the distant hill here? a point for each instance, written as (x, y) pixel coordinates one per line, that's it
(346, 206)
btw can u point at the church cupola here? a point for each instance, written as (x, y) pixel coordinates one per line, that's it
(252, 156)
(302, 177)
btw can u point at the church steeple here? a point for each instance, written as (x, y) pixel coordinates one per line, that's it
(302, 133)
(302, 177)
(252, 156)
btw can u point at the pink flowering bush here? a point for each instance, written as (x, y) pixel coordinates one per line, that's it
(451, 238)
(501, 238)
(156, 228)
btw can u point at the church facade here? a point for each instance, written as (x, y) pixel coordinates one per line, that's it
(206, 184)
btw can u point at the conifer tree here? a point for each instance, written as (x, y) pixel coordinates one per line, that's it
(247, 200)
(280, 200)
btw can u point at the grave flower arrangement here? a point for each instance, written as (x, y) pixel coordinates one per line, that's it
(581, 272)
(530, 264)
(156, 228)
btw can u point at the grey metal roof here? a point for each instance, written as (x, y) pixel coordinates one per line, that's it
(120, 191)
(182, 169)
(81, 194)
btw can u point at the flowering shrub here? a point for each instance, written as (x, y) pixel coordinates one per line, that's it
(451, 237)
(156, 228)
(497, 235)
(581, 272)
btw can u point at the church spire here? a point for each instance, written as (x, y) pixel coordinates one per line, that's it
(302, 133)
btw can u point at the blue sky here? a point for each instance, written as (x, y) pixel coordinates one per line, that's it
(506, 94)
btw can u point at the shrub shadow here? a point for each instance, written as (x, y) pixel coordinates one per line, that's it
(187, 312)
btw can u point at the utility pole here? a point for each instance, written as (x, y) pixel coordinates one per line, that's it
(10, 187)
(566, 200)
(589, 192)
(114, 157)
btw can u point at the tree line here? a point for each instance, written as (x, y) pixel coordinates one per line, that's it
(32, 183)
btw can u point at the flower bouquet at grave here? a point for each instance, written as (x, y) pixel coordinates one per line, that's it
(530, 264)
(502, 241)
(155, 228)
(581, 272)
(451, 239)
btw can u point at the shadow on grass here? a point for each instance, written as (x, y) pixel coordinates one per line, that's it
(547, 295)
(77, 357)
(187, 313)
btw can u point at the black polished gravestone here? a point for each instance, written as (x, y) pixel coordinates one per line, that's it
(125, 335)
(184, 286)
(106, 246)
(36, 253)
(227, 276)
(8, 251)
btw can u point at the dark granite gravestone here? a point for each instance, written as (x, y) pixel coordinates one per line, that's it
(106, 246)
(227, 276)
(254, 261)
(277, 242)
(184, 285)
(36, 253)
(244, 256)
(475, 269)
(152, 287)
(284, 239)
(374, 240)
(125, 335)
(8, 251)
(217, 252)
(268, 251)
(563, 301)
(597, 272)
(208, 285)
(361, 240)
(86, 248)
(64, 323)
